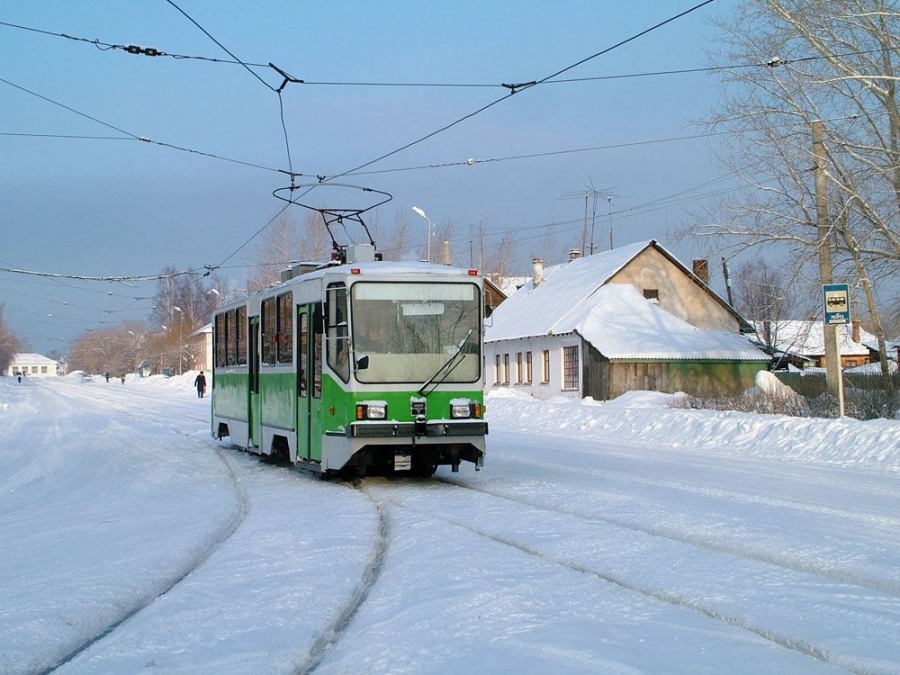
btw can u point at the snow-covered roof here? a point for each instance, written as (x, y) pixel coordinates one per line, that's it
(807, 337)
(550, 307)
(33, 359)
(621, 324)
(615, 318)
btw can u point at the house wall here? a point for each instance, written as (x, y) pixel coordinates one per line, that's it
(605, 380)
(678, 293)
(32, 367)
(537, 387)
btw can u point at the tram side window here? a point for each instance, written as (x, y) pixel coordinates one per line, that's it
(270, 330)
(229, 338)
(302, 356)
(220, 340)
(241, 332)
(336, 339)
(285, 341)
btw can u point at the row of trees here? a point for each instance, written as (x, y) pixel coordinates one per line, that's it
(183, 303)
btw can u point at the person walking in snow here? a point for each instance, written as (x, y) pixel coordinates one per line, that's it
(200, 383)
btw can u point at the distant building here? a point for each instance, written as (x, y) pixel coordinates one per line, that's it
(801, 343)
(32, 365)
(633, 318)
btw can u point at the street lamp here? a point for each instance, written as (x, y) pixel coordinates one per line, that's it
(180, 336)
(420, 212)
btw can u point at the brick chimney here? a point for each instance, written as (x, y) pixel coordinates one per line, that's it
(701, 270)
(537, 271)
(855, 329)
(574, 254)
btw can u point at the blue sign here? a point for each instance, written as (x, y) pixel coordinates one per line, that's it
(837, 304)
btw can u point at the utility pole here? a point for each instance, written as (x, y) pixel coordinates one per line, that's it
(832, 356)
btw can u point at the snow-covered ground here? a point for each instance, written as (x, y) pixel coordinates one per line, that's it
(621, 537)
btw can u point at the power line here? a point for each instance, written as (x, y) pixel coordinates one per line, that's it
(129, 136)
(516, 88)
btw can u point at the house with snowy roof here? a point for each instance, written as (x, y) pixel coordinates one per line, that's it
(32, 365)
(801, 343)
(633, 318)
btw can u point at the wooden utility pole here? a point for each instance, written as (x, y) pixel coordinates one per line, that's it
(832, 356)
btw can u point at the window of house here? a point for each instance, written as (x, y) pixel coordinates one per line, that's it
(652, 294)
(44, 370)
(496, 369)
(519, 370)
(545, 366)
(506, 369)
(570, 367)
(527, 367)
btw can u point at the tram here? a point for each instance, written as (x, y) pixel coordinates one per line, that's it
(355, 367)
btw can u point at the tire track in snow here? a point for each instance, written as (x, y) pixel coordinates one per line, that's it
(224, 533)
(882, 585)
(333, 633)
(795, 644)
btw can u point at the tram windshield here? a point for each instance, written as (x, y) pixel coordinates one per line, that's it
(405, 332)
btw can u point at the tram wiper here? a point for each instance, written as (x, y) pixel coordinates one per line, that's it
(448, 367)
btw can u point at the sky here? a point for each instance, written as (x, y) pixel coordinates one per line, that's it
(82, 196)
(629, 536)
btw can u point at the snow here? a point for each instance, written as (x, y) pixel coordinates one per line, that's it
(621, 324)
(617, 537)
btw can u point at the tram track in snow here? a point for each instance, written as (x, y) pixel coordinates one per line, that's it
(220, 536)
(749, 552)
(333, 633)
(632, 583)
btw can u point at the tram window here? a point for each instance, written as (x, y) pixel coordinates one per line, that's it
(241, 331)
(302, 356)
(337, 336)
(228, 352)
(270, 330)
(285, 340)
(220, 340)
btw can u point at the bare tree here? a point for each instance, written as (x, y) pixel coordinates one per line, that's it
(283, 243)
(822, 60)
(9, 344)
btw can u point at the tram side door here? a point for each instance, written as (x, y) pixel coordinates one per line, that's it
(254, 412)
(309, 382)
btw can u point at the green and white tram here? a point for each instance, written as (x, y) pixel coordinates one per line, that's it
(370, 367)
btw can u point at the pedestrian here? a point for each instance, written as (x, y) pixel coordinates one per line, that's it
(200, 383)
(107, 377)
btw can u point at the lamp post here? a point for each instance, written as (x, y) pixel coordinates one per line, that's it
(420, 212)
(180, 336)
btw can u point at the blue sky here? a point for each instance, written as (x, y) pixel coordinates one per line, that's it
(116, 206)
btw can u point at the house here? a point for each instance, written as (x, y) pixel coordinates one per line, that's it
(633, 318)
(801, 343)
(200, 349)
(32, 365)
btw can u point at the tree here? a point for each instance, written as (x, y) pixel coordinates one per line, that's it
(284, 243)
(818, 60)
(10, 345)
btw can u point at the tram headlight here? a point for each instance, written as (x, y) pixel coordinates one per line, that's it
(465, 410)
(371, 411)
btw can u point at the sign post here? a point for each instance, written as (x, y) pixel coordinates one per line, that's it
(836, 302)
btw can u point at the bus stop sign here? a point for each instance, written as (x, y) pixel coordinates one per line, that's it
(837, 304)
